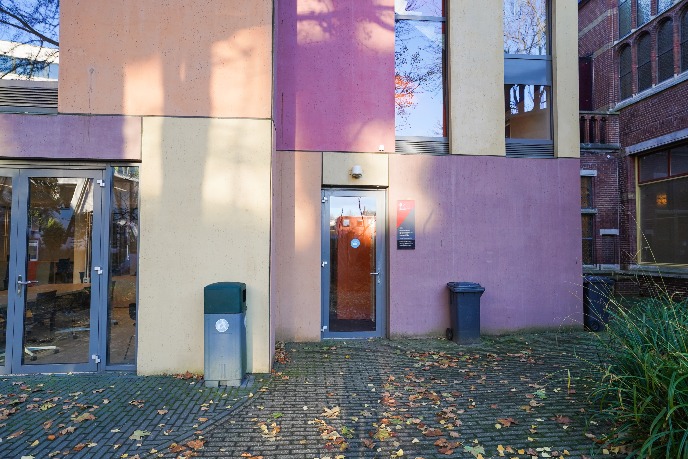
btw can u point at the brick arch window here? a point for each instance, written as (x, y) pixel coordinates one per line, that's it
(644, 52)
(665, 51)
(624, 17)
(625, 76)
(684, 41)
(643, 12)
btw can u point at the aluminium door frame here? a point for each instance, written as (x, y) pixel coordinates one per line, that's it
(18, 253)
(381, 297)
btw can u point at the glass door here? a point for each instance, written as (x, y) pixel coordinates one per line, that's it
(56, 276)
(353, 263)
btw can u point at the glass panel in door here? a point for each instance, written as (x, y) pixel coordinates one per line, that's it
(5, 233)
(353, 261)
(57, 287)
(124, 235)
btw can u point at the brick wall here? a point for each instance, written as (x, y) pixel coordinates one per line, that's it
(597, 29)
(655, 116)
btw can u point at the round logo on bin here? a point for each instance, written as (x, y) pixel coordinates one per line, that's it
(355, 243)
(222, 325)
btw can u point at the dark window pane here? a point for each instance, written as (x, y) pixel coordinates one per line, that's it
(5, 234)
(586, 193)
(525, 27)
(644, 63)
(587, 223)
(684, 42)
(679, 160)
(419, 93)
(528, 111)
(643, 11)
(626, 82)
(665, 51)
(624, 17)
(654, 166)
(419, 7)
(664, 222)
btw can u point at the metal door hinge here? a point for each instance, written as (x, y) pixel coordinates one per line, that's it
(98, 269)
(96, 358)
(324, 199)
(101, 183)
(323, 264)
(323, 329)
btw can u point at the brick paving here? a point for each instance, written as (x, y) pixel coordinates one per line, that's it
(518, 396)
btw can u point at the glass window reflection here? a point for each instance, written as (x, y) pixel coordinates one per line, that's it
(419, 7)
(528, 112)
(525, 27)
(419, 75)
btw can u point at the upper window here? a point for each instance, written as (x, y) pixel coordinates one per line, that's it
(684, 42)
(419, 58)
(664, 5)
(665, 51)
(643, 11)
(527, 73)
(624, 17)
(644, 62)
(625, 76)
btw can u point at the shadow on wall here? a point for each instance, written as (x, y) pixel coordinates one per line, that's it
(335, 75)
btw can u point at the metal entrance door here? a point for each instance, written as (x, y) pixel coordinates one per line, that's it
(353, 263)
(53, 258)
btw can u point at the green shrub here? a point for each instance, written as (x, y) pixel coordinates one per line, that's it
(644, 388)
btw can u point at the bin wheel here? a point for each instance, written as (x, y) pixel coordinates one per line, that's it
(595, 326)
(449, 334)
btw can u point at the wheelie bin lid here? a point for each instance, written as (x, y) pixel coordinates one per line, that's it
(465, 287)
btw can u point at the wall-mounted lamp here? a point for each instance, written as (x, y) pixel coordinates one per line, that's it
(381, 148)
(357, 172)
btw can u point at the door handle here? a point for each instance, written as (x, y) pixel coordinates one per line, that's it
(20, 283)
(375, 274)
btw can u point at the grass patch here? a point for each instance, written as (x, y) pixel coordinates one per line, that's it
(644, 388)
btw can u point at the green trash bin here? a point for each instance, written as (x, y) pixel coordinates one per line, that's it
(224, 334)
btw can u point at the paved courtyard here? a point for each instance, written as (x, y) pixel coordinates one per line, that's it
(520, 396)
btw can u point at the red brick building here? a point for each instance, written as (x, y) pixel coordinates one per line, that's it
(634, 141)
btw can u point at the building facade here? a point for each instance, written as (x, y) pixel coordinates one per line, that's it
(343, 159)
(634, 77)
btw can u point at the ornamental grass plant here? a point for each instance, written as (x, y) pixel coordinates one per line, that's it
(643, 392)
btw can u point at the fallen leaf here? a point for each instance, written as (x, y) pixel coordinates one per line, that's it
(331, 413)
(506, 422)
(84, 417)
(161, 412)
(15, 435)
(139, 434)
(196, 444)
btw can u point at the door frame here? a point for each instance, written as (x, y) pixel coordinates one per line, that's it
(18, 253)
(381, 251)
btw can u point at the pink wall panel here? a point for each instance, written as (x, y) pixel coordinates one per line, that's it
(70, 137)
(335, 75)
(512, 225)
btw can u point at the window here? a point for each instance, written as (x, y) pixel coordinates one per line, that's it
(663, 5)
(419, 58)
(644, 63)
(663, 183)
(527, 77)
(624, 17)
(665, 51)
(625, 76)
(587, 219)
(643, 11)
(684, 42)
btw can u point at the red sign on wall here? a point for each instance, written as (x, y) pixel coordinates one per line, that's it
(406, 225)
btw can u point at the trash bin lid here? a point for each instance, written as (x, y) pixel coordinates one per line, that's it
(224, 298)
(465, 287)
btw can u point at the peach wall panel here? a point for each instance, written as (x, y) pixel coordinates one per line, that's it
(166, 57)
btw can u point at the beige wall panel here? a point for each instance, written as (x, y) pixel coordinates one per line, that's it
(166, 57)
(205, 217)
(476, 78)
(296, 235)
(565, 70)
(337, 169)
